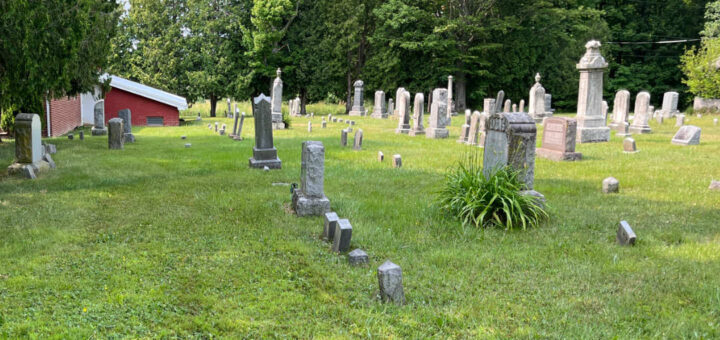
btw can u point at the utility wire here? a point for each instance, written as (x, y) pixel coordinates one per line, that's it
(664, 42)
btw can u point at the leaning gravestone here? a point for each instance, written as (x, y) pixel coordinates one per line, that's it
(126, 116)
(358, 108)
(310, 199)
(558, 141)
(498, 102)
(30, 156)
(235, 126)
(438, 115)
(342, 237)
(687, 135)
(510, 141)
(418, 109)
(640, 123)
(473, 130)
(390, 282)
(379, 109)
(99, 128)
(264, 152)
(116, 140)
(238, 137)
(625, 235)
(591, 124)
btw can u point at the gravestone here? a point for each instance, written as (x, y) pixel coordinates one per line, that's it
(715, 121)
(659, 118)
(687, 135)
(621, 108)
(343, 137)
(310, 199)
(70, 136)
(629, 145)
(403, 113)
(238, 137)
(342, 237)
(522, 105)
(50, 148)
(236, 120)
(381, 156)
(188, 145)
(276, 95)
(591, 125)
(264, 152)
(398, 96)
(679, 120)
(670, 104)
(537, 109)
(358, 108)
(465, 128)
(379, 109)
(548, 103)
(358, 140)
(229, 108)
(324, 124)
(126, 116)
(508, 106)
(510, 141)
(418, 110)
(390, 107)
(498, 102)
(438, 118)
(390, 282)
(514, 108)
(30, 156)
(331, 219)
(397, 161)
(116, 140)
(488, 105)
(558, 140)
(474, 130)
(714, 185)
(99, 128)
(358, 257)
(604, 110)
(450, 102)
(309, 126)
(81, 134)
(610, 185)
(642, 112)
(625, 235)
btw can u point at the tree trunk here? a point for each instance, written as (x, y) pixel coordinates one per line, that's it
(460, 92)
(348, 99)
(303, 101)
(213, 105)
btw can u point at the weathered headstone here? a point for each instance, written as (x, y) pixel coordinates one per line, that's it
(659, 118)
(548, 103)
(450, 103)
(390, 107)
(397, 161)
(126, 116)
(343, 137)
(240, 127)
(522, 105)
(403, 104)
(342, 237)
(629, 145)
(331, 219)
(381, 156)
(50, 148)
(324, 124)
(610, 185)
(604, 110)
(276, 95)
(309, 126)
(642, 112)
(310, 199)
(358, 108)
(474, 130)
(488, 105)
(29, 150)
(514, 108)
(70, 136)
(81, 134)
(670, 104)
(510, 141)
(591, 126)
(438, 118)
(418, 110)
(687, 135)
(358, 257)
(264, 152)
(99, 128)
(498, 102)
(236, 120)
(358, 140)
(537, 109)
(621, 107)
(465, 128)
(508, 106)
(116, 140)
(398, 96)
(391, 284)
(379, 109)
(625, 235)
(558, 141)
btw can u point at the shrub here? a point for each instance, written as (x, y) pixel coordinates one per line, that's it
(487, 202)
(286, 120)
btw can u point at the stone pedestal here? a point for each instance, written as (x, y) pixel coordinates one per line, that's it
(591, 124)
(390, 282)
(358, 108)
(310, 199)
(264, 153)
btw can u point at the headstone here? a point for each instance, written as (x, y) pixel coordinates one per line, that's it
(508, 106)
(450, 103)
(198, 118)
(610, 185)
(398, 96)
(629, 145)
(50, 148)
(236, 120)
(81, 134)
(47, 158)
(229, 107)
(687, 135)
(714, 185)
(188, 145)
(621, 107)
(29, 150)
(558, 140)
(240, 127)
(438, 118)
(699, 115)
(358, 257)
(210, 126)
(604, 110)
(537, 109)
(222, 132)
(403, 104)
(474, 129)
(715, 121)
(381, 156)
(591, 126)
(625, 235)
(342, 237)
(522, 105)
(183, 137)
(498, 102)
(379, 109)
(390, 282)
(418, 109)
(659, 118)
(331, 220)
(397, 161)
(390, 107)
(670, 104)
(488, 105)
(679, 120)
(358, 108)
(276, 95)
(642, 114)
(358, 140)
(343, 137)
(514, 108)
(116, 140)
(264, 152)
(465, 128)
(510, 141)
(71, 136)
(126, 116)
(99, 128)
(324, 124)
(310, 199)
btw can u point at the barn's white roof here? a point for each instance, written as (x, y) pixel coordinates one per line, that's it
(148, 92)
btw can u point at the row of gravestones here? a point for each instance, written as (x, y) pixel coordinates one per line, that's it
(238, 122)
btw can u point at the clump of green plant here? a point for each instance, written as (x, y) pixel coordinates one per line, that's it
(286, 119)
(494, 201)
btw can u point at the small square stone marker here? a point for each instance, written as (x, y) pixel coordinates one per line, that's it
(343, 234)
(71, 136)
(187, 145)
(714, 185)
(397, 161)
(625, 234)
(390, 282)
(331, 220)
(358, 257)
(611, 185)
(629, 145)
(381, 156)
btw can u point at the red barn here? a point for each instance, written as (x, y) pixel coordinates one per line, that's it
(148, 106)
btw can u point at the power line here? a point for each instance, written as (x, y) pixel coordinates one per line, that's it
(664, 42)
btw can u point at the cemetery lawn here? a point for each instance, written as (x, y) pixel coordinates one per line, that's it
(162, 241)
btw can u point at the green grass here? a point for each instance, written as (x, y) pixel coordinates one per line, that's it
(203, 108)
(162, 241)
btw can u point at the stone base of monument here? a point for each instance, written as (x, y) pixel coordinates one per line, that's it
(404, 129)
(416, 132)
(640, 129)
(309, 206)
(129, 138)
(593, 135)
(437, 133)
(558, 156)
(278, 126)
(539, 198)
(265, 158)
(378, 115)
(99, 132)
(540, 117)
(357, 111)
(28, 170)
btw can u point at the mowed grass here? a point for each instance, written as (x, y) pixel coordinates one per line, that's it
(162, 241)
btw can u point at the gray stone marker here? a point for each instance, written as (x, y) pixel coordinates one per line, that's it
(81, 134)
(398, 95)
(310, 199)
(126, 116)
(714, 185)
(264, 152)
(522, 105)
(537, 107)
(210, 126)
(216, 126)
(331, 220)
(403, 109)
(498, 102)
(418, 109)
(438, 115)
(625, 235)
(465, 128)
(514, 108)
(358, 140)
(390, 107)
(670, 104)
(238, 137)
(309, 126)
(324, 124)
(687, 135)
(342, 237)
(50, 148)
(236, 120)
(391, 283)
(629, 145)
(116, 140)
(379, 109)
(488, 105)
(473, 130)
(358, 108)
(381, 156)
(558, 141)
(591, 125)
(642, 112)
(450, 102)
(222, 131)
(71, 136)
(610, 185)
(510, 141)
(29, 151)
(508, 106)
(605, 110)
(183, 137)
(621, 108)
(276, 95)
(397, 161)
(548, 103)
(99, 128)
(343, 137)
(659, 118)
(358, 257)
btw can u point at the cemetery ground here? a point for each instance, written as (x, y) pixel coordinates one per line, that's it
(163, 240)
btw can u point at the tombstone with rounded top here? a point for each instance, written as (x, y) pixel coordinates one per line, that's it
(621, 107)
(629, 145)
(418, 110)
(642, 112)
(670, 104)
(610, 185)
(403, 112)
(277, 90)
(397, 161)
(357, 145)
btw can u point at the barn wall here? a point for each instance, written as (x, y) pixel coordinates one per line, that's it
(140, 108)
(64, 115)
